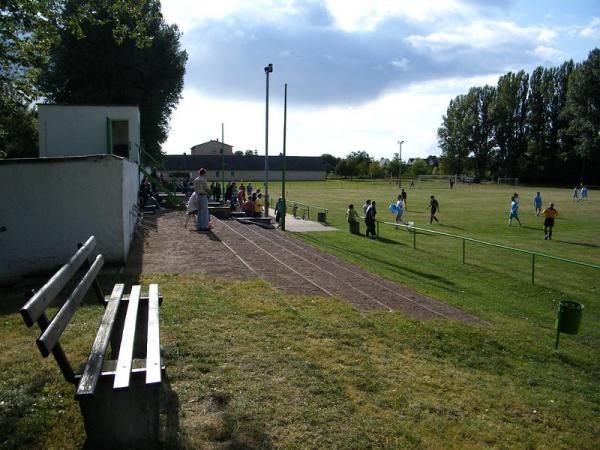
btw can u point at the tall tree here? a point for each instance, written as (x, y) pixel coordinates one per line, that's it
(452, 137)
(329, 161)
(509, 117)
(583, 111)
(127, 55)
(27, 32)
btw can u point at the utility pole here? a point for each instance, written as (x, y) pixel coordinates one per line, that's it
(400, 163)
(283, 204)
(268, 70)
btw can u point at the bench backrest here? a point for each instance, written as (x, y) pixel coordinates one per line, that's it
(35, 309)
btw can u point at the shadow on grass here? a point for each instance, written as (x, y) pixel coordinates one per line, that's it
(388, 265)
(451, 226)
(582, 244)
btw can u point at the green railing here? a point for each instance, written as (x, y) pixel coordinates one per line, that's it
(466, 239)
(306, 208)
(170, 190)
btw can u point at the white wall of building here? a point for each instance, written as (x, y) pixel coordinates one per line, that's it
(50, 204)
(66, 130)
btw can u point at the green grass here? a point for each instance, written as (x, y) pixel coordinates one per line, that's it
(251, 367)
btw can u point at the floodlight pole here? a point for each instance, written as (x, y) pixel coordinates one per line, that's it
(268, 70)
(283, 205)
(400, 163)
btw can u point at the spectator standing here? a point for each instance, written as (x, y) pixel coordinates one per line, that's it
(352, 218)
(279, 211)
(370, 220)
(400, 205)
(201, 189)
(365, 207)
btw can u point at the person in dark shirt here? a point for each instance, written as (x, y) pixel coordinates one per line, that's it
(370, 221)
(434, 206)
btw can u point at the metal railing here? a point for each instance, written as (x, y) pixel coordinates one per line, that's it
(466, 239)
(305, 208)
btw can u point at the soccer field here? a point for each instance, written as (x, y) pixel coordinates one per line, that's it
(493, 281)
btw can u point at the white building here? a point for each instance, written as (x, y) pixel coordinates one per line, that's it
(77, 130)
(85, 183)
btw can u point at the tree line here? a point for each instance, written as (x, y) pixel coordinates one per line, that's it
(538, 127)
(360, 164)
(86, 52)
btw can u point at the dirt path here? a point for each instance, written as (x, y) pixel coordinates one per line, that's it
(238, 251)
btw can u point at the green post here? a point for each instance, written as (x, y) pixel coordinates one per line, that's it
(557, 330)
(414, 238)
(377, 229)
(283, 204)
(464, 244)
(533, 269)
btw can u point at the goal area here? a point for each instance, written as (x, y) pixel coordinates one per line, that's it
(508, 181)
(441, 181)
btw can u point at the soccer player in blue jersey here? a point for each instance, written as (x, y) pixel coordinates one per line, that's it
(537, 204)
(514, 210)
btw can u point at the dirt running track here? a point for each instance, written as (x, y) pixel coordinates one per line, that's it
(234, 250)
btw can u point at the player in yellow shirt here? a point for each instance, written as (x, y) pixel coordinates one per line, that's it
(549, 213)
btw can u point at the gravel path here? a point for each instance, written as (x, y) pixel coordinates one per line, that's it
(239, 251)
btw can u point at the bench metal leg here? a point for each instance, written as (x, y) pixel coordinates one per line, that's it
(122, 419)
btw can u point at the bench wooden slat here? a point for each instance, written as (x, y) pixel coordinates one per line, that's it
(36, 306)
(58, 324)
(126, 349)
(95, 362)
(153, 364)
(143, 298)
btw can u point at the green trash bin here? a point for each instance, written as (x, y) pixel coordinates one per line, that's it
(568, 317)
(321, 217)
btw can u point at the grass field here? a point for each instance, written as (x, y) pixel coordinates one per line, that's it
(251, 367)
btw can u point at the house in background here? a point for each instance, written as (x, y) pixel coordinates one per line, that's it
(77, 130)
(212, 148)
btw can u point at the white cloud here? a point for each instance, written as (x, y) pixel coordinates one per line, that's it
(592, 30)
(550, 54)
(361, 15)
(189, 13)
(481, 35)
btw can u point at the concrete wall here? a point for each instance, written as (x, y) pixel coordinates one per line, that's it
(258, 175)
(50, 204)
(66, 130)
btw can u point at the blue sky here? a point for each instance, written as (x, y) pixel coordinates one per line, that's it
(361, 75)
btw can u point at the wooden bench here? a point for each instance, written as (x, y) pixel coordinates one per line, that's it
(118, 390)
